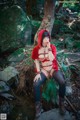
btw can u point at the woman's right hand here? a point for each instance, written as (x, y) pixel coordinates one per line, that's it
(37, 77)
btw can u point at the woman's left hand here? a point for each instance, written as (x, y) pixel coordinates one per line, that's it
(37, 77)
(48, 45)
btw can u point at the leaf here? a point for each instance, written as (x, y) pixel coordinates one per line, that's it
(50, 90)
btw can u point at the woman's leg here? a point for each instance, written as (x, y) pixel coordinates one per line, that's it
(37, 87)
(58, 76)
(37, 94)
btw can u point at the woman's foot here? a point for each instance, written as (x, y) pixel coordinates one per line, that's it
(62, 109)
(39, 109)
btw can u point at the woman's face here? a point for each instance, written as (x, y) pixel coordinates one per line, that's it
(45, 41)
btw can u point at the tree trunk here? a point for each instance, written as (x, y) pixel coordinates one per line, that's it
(48, 19)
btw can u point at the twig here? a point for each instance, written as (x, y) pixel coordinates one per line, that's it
(72, 53)
(60, 52)
(76, 60)
(70, 104)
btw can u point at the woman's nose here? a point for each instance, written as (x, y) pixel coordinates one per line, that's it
(47, 40)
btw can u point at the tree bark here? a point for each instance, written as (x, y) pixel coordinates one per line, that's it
(48, 19)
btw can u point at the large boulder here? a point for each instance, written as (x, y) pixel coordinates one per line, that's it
(15, 28)
(54, 115)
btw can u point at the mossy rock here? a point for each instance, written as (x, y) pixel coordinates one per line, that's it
(15, 28)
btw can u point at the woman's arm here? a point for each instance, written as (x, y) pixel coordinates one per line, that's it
(38, 76)
(51, 55)
(37, 65)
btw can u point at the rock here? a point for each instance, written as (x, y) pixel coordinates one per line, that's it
(7, 96)
(17, 56)
(6, 107)
(8, 73)
(78, 115)
(4, 87)
(54, 115)
(68, 90)
(15, 28)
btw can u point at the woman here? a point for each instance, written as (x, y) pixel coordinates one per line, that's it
(44, 56)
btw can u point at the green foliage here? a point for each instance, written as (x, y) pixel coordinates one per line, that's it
(50, 90)
(69, 3)
(77, 45)
(62, 59)
(1, 88)
(17, 55)
(62, 26)
(64, 67)
(35, 25)
(72, 4)
(57, 21)
(29, 61)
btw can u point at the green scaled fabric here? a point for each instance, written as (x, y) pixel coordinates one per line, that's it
(50, 91)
